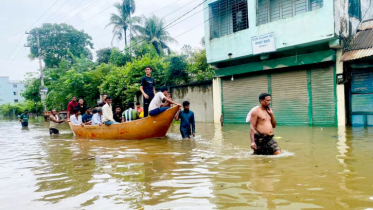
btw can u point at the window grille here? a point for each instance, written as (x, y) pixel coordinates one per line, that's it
(14, 85)
(354, 9)
(227, 16)
(273, 10)
(15, 93)
(16, 100)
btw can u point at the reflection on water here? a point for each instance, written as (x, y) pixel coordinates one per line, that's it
(321, 168)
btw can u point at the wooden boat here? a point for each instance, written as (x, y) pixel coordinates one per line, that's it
(149, 127)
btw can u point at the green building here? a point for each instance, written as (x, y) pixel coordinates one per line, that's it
(289, 48)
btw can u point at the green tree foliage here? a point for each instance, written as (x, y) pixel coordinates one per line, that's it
(7, 109)
(177, 71)
(124, 82)
(118, 58)
(198, 68)
(122, 21)
(153, 32)
(59, 41)
(32, 87)
(103, 55)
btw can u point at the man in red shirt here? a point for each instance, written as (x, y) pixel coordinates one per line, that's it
(71, 106)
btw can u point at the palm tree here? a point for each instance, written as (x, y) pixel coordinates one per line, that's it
(153, 31)
(123, 21)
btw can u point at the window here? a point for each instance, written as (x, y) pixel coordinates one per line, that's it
(354, 9)
(15, 100)
(272, 10)
(15, 85)
(227, 17)
(15, 93)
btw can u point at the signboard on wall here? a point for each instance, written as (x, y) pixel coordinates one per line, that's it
(263, 44)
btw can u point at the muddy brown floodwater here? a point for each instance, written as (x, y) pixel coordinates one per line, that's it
(321, 168)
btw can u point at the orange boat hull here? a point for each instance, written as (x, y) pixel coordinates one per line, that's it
(150, 127)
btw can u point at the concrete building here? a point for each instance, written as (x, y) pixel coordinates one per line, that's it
(358, 61)
(10, 91)
(289, 48)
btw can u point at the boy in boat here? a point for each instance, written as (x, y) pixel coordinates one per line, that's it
(71, 106)
(87, 117)
(97, 117)
(130, 114)
(107, 112)
(139, 108)
(155, 105)
(147, 89)
(187, 121)
(118, 114)
(24, 119)
(54, 123)
(76, 118)
(262, 123)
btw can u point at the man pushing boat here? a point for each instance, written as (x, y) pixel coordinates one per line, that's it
(262, 123)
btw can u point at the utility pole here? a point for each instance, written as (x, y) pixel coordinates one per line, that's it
(43, 89)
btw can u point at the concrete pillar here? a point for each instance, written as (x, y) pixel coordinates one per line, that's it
(341, 105)
(216, 91)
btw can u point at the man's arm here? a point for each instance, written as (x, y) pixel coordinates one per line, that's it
(143, 92)
(21, 118)
(273, 119)
(253, 121)
(51, 117)
(155, 92)
(171, 101)
(177, 116)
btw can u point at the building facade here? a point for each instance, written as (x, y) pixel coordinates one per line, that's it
(288, 48)
(10, 91)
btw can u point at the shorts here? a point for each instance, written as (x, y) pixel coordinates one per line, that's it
(24, 124)
(265, 144)
(53, 131)
(185, 132)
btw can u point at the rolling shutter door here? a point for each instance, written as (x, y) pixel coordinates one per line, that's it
(241, 95)
(290, 97)
(323, 98)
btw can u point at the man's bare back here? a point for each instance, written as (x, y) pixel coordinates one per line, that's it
(262, 123)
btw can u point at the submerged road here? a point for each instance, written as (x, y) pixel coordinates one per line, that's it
(321, 168)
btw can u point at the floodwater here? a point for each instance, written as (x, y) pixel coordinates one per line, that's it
(321, 168)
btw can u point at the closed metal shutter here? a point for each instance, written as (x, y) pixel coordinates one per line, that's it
(241, 95)
(290, 97)
(323, 97)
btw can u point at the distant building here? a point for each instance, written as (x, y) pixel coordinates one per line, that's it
(289, 48)
(10, 91)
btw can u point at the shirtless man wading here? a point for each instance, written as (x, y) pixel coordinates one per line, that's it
(262, 123)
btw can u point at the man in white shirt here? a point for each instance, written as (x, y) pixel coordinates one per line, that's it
(76, 119)
(97, 117)
(107, 112)
(155, 105)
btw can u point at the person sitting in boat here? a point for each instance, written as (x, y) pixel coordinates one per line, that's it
(54, 123)
(139, 109)
(118, 114)
(155, 106)
(97, 117)
(87, 117)
(130, 114)
(107, 112)
(76, 118)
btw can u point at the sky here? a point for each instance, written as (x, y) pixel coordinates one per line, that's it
(91, 16)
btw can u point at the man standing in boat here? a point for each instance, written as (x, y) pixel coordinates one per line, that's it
(147, 89)
(262, 124)
(71, 106)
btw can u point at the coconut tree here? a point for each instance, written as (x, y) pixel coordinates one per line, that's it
(153, 31)
(123, 21)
